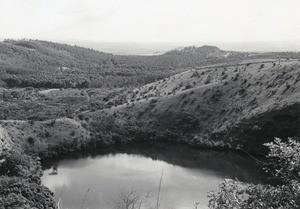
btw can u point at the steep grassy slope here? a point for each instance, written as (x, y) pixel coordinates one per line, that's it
(240, 105)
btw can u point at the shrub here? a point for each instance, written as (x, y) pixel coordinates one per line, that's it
(284, 159)
(284, 164)
(80, 116)
(195, 74)
(16, 192)
(188, 86)
(30, 140)
(153, 101)
(208, 80)
(14, 201)
(47, 134)
(216, 95)
(186, 101)
(224, 76)
(235, 194)
(52, 123)
(236, 77)
(183, 96)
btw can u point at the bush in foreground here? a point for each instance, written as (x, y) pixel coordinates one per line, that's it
(284, 164)
(20, 184)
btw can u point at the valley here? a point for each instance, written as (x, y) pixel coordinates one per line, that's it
(57, 99)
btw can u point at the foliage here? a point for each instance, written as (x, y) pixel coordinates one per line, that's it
(235, 194)
(32, 104)
(14, 201)
(21, 165)
(284, 160)
(20, 183)
(284, 164)
(19, 192)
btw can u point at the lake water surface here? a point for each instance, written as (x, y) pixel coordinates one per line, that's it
(105, 176)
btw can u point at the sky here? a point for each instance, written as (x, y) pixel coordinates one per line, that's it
(149, 21)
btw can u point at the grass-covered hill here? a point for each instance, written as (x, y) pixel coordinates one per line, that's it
(234, 106)
(229, 106)
(34, 63)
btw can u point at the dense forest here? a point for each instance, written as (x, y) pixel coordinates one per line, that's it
(41, 64)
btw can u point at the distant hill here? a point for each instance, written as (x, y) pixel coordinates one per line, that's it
(200, 56)
(35, 63)
(197, 56)
(154, 48)
(203, 51)
(131, 48)
(44, 64)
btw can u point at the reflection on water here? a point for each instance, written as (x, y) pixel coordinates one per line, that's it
(188, 175)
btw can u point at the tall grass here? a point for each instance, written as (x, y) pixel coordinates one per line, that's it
(158, 201)
(85, 196)
(126, 200)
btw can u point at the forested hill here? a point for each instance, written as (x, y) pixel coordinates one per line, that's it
(206, 55)
(52, 65)
(34, 63)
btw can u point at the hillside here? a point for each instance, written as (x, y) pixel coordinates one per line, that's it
(228, 106)
(234, 106)
(44, 64)
(41, 64)
(42, 137)
(39, 104)
(239, 100)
